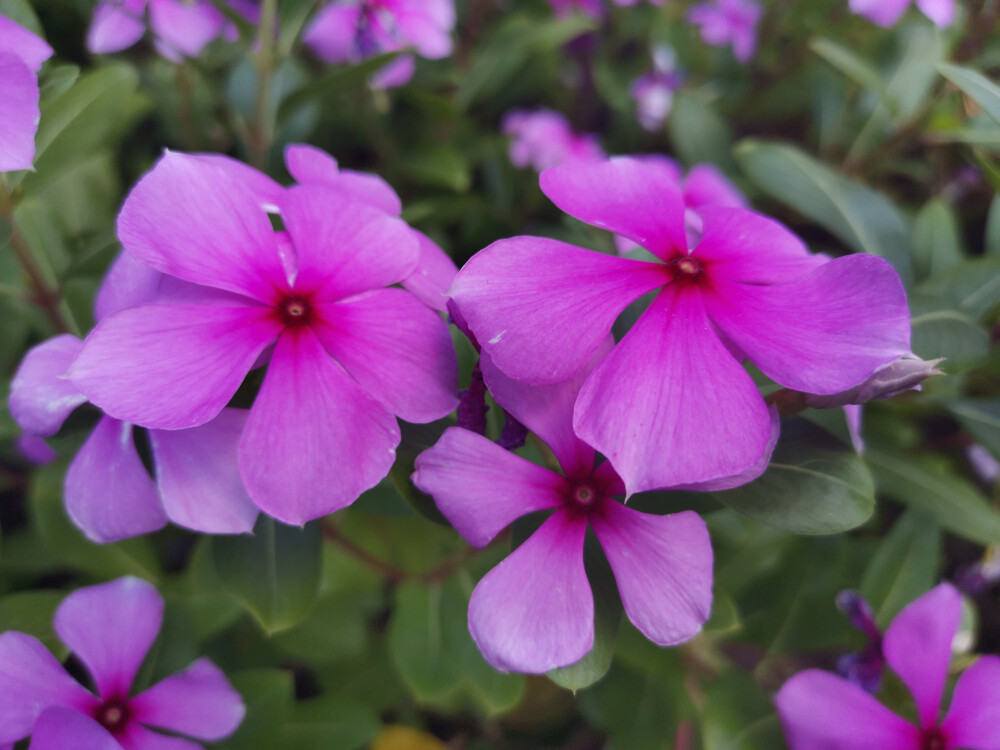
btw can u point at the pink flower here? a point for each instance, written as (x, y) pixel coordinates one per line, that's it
(886, 13)
(535, 611)
(654, 92)
(729, 23)
(543, 138)
(21, 56)
(110, 628)
(671, 404)
(348, 356)
(821, 711)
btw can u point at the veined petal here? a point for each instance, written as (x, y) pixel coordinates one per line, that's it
(198, 702)
(117, 25)
(171, 366)
(541, 308)
(193, 219)
(109, 494)
(183, 29)
(31, 680)
(823, 332)
(198, 475)
(332, 33)
(137, 737)
(314, 440)
(663, 567)
(941, 12)
(821, 711)
(635, 198)
(482, 488)
(41, 396)
(19, 114)
(60, 728)
(23, 44)
(433, 275)
(974, 717)
(313, 166)
(534, 611)
(129, 282)
(670, 406)
(110, 627)
(917, 646)
(266, 190)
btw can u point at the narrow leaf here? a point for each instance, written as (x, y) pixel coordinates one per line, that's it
(978, 87)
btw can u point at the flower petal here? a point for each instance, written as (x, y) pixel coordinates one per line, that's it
(663, 567)
(117, 25)
(823, 332)
(974, 717)
(638, 199)
(23, 44)
(129, 282)
(482, 488)
(197, 472)
(534, 612)
(706, 185)
(420, 29)
(109, 494)
(314, 440)
(61, 728)
(333, 32)
(541, 308)
(433, 275)
(19, 114)
(110, 627)
(137, 737)
(917, 646)
(171, 366)
(313, 166)
(670, 406)
(821, 711)
(41, 396)
(884, 13)
(941, 12)
(199, 702)
(183, 29)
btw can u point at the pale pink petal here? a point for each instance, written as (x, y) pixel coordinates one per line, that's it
(974, 717)
(197, 472)
(482, 488)
(706, 185)
(663, 567)
(397, 348)
(433, 275)
(917, 646)
(60, 728)
(171, 366)
(312, 166)
(117, 25)
(19, 114)
(645, 406)
(34, 449)
(852, 415)
(129, 282)
(266, 190)
(534, 611)
(420, 29)
(194, 219)
(182, 29)
(314, 440)
(823, 332)
(137, 737)
(109, 494)
(110, 627)
(541, 308)
(31, 680)
(941, 12)
(309, 165)
(198, 702)
(25, 45)
(396, 73)
(884, 13)
(41, 396)
(635, 198)
(821, 711)
(332, 34)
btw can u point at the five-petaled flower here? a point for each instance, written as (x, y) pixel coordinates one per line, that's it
(21, 55)
(543, 138)
(729, 23)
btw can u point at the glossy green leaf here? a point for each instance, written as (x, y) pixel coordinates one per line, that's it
(973, 286)
(978, 87)
(855, 68)
(904, 566)
(981, 417)
(267, 695)
(936, 245)
(58, 81)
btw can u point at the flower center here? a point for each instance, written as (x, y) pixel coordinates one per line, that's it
(113, 715)
(295, 311)
(934, 739)
(686, 268)
(583, 496)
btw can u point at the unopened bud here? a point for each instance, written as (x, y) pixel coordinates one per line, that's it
(905, 374)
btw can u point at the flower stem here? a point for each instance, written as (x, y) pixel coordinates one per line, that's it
(263, 130)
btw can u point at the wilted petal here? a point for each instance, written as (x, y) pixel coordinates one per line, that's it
(663, 567)
(41, 395)
(852, 415)
(23, 44)
(534, 611)
(974, 717)
(482, 488)
(820, 711)
(541, 307)
(183, 29)
(941, 12)
(314, 440)
(433, 275)
(109, 494)
(60, 728)
(19, 114)
(885, 13)
(117, 24)
(333, 32)
(110, 627)
(904, 374)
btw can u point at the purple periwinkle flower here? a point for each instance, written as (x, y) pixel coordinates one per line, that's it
(821, 711)
(729, 23)
(21, 56)
(110, 628)
(543, 138)
(863, 668)
(886, 13)
(535, 611)
(654, 92)
(671, 405)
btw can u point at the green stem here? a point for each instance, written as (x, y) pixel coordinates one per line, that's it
(263, 130)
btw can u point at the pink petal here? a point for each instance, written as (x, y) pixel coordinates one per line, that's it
(706, 185)
(309, 165)
(345, 247)
(60, 728)
(137, 737)
(31, 680)
(266, 191)
(396, 73)
(198, 475)
(821, 711)
(974, 717)
(198, 702)
(645, 406)
(884, 13)
(314, 440)
(917, 646)
(419, 28)
(635, 198)
(398, 349)
(34, 449)
(663, 567)
(171, 366)
(534, 611)
(941, 12)
(41, 396)
(312, 166)
(193, 219)
(541, 308)
(23, 44)
(129, 282)
(109, 494)
(117, 25)
(333, 32)
(19, 114)
(433, 275)
(823, 332)
(183, 29)
(110, 627)
(482, 488)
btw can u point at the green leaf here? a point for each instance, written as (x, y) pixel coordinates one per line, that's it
(855, 68)
(437, 166)
(274, 572)
(58, 81)
(939, 330)
(20, 12)
(981, 417)
(699, 134)
(923, 483)
(268, 695)
(331, 722)
(973, 286)
(992, 240)
(859, 216)
(904, 566)
(936, 245)
(31, 612)
(978, 87)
